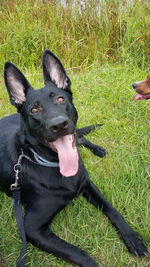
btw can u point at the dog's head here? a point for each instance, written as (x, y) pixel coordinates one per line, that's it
(48, 114)
(142, 89)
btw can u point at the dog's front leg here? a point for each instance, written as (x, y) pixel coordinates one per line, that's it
(39, 234)
(133, 241)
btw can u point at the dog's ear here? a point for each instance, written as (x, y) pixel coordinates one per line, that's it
(16, 83)
(54, 71)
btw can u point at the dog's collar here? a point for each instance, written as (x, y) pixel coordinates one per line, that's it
(42, 161)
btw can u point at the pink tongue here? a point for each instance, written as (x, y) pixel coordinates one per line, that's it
(138, 97)
(68, 156)
(141, 97)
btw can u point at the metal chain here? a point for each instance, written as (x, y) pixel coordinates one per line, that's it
(17, 169)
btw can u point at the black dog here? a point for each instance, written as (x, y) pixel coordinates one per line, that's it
(44, 131)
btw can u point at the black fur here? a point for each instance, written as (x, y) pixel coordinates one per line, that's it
(81, 140)
(44, 116)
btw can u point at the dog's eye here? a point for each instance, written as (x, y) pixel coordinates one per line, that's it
(35, 110)
(59, 100)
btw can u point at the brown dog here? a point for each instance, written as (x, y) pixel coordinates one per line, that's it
(142, 89)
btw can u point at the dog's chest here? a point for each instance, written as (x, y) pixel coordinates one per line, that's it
(45, 181)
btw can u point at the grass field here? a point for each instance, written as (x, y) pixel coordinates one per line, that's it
(101, 94)
(119, 30)
(103, 56)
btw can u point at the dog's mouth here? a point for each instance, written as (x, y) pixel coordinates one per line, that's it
(65, 146)
(141, 97)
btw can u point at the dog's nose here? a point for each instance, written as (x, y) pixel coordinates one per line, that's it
(59, 124)
(134, 85)
(59, 127)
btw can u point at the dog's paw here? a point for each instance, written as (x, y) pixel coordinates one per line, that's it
(99, 151)
(135, 244)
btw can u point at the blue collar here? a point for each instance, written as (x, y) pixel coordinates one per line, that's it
(42, 161)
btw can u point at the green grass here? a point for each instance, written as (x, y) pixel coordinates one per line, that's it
(118, 31)
(101, 94)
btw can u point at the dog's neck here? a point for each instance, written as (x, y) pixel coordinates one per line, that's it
(45, 152)
(27, 143)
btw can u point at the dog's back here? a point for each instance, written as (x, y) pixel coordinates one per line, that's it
(8, 150)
